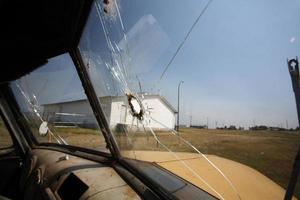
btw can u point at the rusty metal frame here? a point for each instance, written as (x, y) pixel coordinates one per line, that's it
(293, 66)
(95, 104)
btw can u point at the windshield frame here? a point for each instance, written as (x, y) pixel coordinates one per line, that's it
(94, 102)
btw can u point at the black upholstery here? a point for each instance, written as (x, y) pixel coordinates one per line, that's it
(27, 169)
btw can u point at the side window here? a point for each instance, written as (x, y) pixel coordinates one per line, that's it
(5, 139)
(53, 103)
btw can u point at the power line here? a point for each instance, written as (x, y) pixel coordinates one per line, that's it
(184, 40)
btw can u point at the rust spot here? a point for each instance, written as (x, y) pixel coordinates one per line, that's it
(129, 193)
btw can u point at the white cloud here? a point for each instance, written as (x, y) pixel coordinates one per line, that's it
(292, 40)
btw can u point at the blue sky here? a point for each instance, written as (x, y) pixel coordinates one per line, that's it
(233, 64)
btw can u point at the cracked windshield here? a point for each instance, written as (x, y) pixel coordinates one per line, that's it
(199, 87)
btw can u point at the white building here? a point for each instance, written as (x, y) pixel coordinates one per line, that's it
(159, 113)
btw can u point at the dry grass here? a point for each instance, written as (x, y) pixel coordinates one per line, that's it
(5, 140)
(270, 152)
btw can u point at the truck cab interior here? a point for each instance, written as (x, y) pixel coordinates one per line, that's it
(74, 120)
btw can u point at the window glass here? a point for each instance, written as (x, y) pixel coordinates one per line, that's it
(54, 104)
(5, 139)
(200, 87)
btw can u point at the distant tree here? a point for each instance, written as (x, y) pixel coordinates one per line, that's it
(259, 128)
(231, 127)
(262, 127)
(277, 129)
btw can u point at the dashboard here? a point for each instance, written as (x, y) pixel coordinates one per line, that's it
(55, 175)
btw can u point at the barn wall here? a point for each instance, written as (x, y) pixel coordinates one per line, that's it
(158, 110)
(106, 107)
(82, 110)
(116, 112)
(161, 113)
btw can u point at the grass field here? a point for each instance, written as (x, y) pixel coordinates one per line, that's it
(270, 152)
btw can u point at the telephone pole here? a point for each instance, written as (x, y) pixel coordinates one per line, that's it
(178, 105)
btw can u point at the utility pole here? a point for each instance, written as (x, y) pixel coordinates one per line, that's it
(140, 85)
(178, 92)
(191, 118)
(207, 122)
